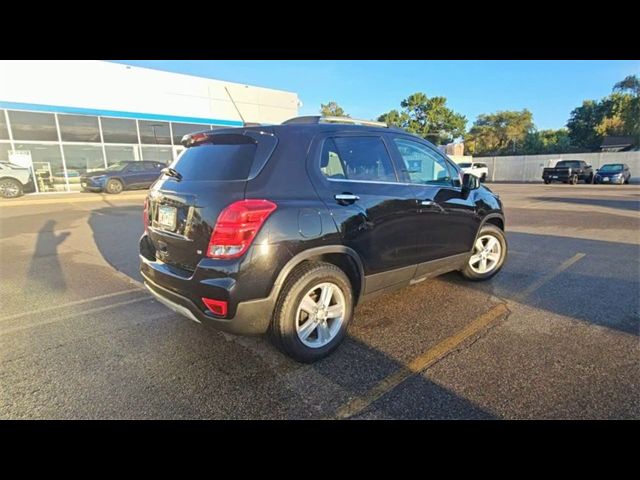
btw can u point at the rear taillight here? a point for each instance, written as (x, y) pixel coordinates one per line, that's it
(145, 215)
(237, 226)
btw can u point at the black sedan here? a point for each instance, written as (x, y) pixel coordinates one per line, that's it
(122, 176)
(613, 173)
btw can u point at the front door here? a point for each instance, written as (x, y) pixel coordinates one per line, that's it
(374, 213)
(447, 220)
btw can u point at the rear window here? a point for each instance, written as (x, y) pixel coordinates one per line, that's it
(568, 164)
(464, 165)
(218, 161)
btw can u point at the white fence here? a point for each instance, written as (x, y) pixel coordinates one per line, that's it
(528, 168)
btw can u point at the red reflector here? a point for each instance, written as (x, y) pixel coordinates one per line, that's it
(237, 226)
(217, 307)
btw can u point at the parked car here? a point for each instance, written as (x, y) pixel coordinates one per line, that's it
(613, 173)
(478, 169)
(14, 180)
(122, 176)
(568, 171)
(285, 229)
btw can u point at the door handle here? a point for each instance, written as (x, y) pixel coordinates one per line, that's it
(431, 203)
(346, 197)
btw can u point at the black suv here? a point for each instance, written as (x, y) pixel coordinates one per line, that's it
(284, 229)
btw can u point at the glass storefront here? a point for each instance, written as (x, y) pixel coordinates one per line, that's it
(62, 147)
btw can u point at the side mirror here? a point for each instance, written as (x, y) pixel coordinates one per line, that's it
(587, 166)
(470, 182)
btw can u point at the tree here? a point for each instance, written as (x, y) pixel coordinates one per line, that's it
(332, 109)
(498, 133)
(427, 117)
(631, 85)
(631, 115)
(546, 141)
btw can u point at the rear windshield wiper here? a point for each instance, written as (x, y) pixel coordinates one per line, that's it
(172, 173)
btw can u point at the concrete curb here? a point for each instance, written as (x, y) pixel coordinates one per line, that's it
(71, 198)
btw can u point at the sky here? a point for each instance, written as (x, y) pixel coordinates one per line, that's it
(367, 88)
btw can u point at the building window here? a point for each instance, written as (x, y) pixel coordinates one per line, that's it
(117, 154)
(155, 133)
(182, 129)
(47, 165)
(157, 154)
(119, 130)
(4, 131)
(81, 159)
(4, 152)
(79, 128)
(33, 126)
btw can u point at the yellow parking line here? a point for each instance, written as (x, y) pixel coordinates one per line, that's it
(431, 356)
(545, 278)
(421, 362)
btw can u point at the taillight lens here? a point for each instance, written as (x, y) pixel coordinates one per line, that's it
(217, 307)
(237, 226)
(145, 215)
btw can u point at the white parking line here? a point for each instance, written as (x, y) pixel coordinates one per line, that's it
(69, 304)
(74, 315)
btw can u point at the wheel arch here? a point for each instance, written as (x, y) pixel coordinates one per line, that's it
(496, 219)
(343, 257)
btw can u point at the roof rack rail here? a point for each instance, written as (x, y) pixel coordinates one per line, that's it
(314, 119)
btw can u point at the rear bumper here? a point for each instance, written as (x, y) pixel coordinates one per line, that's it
(251, 317)
(555, 177)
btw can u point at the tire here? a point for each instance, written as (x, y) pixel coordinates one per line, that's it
(626, 182)
(287, 330)
(574, 180)
(547, 182)
(483, 178)
(10, 188)
(475, 273)
(114, 186)
(589, 179)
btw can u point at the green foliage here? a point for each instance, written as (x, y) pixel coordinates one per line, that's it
(616, 115)
(427, 117)
(332, 109)
(499, 133)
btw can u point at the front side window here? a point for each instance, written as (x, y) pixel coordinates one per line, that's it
(356, 158)
(423, 165)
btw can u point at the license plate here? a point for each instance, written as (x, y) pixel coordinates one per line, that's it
(167, 217)
(605, 179)
(554, 176)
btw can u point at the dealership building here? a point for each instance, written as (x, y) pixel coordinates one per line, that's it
(65, 118)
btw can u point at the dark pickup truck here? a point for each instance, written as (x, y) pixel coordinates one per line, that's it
(568, 171)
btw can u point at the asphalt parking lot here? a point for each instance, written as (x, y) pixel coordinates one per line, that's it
(554, 335)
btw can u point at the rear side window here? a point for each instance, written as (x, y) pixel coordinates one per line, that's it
(356, 158)
(217, 161)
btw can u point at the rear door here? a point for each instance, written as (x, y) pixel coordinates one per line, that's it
(447, 220)
(135, 174)
(213, 174)
(356, 179)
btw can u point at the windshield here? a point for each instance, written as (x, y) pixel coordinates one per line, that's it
(464, 165)
(568, 164)
(611, 168)
(117, 167)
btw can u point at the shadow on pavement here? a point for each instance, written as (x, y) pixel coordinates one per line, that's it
(46, 250)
